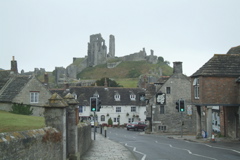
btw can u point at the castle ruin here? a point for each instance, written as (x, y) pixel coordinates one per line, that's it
(97, 50)
(97, 54)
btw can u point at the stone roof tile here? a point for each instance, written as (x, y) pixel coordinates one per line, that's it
(13, 88)
(220, 65)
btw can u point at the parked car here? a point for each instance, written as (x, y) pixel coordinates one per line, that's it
(92, 123)
(136, 125)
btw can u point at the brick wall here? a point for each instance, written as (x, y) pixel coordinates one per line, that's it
(216, 90)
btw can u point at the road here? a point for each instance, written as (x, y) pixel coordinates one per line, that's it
(160, 147)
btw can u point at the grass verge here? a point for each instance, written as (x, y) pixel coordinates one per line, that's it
(10, 122)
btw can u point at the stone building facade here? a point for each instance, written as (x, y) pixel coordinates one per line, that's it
(163, 116)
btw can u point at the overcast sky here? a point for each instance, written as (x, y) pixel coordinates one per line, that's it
(49, 33)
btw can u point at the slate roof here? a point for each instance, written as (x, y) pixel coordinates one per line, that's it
(13, 88)
(4, 77)
(220, 65)
(234, 50)
(105, 94)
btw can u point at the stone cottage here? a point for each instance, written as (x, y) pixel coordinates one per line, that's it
(215, 95)
(22, 89)
(161, 108)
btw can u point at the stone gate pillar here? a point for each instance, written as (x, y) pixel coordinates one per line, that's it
(72, 131)
(55, 116)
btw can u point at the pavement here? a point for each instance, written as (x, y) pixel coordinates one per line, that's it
(104, 149)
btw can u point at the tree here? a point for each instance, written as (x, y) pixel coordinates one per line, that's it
(160, 59)
(110, 83)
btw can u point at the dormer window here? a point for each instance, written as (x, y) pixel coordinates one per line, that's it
(142, 97)
(117, 97)
(96, 94)
(133, 97)
(75, 95)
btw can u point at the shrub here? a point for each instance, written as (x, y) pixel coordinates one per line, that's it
(22, 109)
(110, 122)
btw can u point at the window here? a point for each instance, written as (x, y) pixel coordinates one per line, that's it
(102, 118)
(117, 97)
(34, 97)
(116, 120)
(142, 98)
(196, 88)
(161, 109)
(118, 109)
(162, 128)
(80, 109)
(129, 120)
(168, 90)
(133, 97)
(133, 109)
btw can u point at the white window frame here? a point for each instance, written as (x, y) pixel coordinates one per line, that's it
(115, 119)
(133, 109)
(133, 97)
(117, 97)
(102, 118)
(118, 109)
(34, 97)
(196, 88)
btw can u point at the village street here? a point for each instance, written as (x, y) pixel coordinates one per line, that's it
(155, 146)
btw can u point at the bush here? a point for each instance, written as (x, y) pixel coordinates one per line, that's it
(110, 122)
(22, 109)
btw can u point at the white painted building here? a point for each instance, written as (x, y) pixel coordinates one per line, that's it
(122, 105)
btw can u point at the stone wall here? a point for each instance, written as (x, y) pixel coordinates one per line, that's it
(33, 144)
(84, 138)
(42, 143)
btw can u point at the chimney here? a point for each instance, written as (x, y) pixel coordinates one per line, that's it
(45, 78)
(14, 65)
(177, 67)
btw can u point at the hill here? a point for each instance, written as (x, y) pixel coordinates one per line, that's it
(127, 72)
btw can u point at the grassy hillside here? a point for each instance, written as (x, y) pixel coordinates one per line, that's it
(131, 69)
(10, 122)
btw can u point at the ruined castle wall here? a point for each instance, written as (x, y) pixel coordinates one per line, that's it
(135, 56)
(60, 74)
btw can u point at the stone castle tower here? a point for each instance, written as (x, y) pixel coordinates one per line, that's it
(97, 50)
(111, 52)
